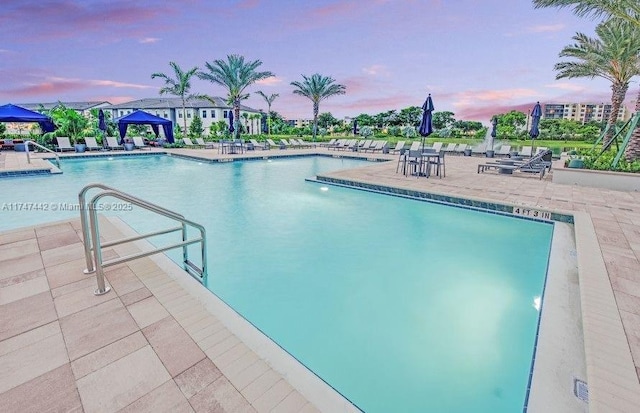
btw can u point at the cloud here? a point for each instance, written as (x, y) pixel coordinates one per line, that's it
(270, 81)
(60, 86)
(472, 97)
(147, 40)
(485, 113)
(547, 28)
(566, 86)
(375, 70)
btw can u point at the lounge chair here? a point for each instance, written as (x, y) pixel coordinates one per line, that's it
(257, 145)
(503, 151)
(206, 145)
(399, 147)
(328, 144)
(138, 142)
(538, 164)
(345, 144)
(365, 144)
(381, 146)
(541, 149)
(92, 143)
(336, 144)
(415, 146)
(64, 144)
(306, 144)
(461, 148)
(480, 149)
(451, 148)
(526, 151)
(112, 143)
(189, 143)
(276, 145)
(437, 146)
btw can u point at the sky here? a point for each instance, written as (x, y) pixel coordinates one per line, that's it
(476, 58)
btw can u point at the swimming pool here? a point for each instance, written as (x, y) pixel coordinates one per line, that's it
(398, 304)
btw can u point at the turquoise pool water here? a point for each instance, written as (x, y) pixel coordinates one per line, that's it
(400, 305)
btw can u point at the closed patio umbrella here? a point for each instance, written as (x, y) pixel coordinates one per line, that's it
(536, 114)
(231, 127)
(355, 127)
(426, 125)
(102, 125)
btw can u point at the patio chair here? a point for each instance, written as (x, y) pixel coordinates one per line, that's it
(415, 146)
(276, 145)
(365, 144)
(306, 144)
(206, 145)
(504, 150)
(398, 148)
(92, 143)
(381, 146)
(112, 143)
(526, 151)
(189, 143)
(335, 144)
(138, 142)
(64, 144)
(328, 144)
(437, 146)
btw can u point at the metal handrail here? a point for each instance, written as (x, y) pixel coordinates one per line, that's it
(26, 149)
(94, 244)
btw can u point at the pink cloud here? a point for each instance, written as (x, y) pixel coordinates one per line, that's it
(547, 28)
(472, 97)
(147, 40)
(270, 81)
(57, 86)
(376, 70)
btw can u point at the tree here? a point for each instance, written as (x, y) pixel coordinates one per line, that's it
(326, 120)
(624, 9)
(235, 75)
(509, 123)
(195, 129)
(178, 86)
(442, 120)
(269, 99)
(410, 116)
(316, 88)
(365, 120)
(69, 122)
(613, 55)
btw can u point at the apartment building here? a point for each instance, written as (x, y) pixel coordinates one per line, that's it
(81, 107)
(209, 112)
(583, 112)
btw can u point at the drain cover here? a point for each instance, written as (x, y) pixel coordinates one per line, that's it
(581, 390)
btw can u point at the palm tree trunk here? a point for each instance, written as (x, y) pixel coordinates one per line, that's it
(617, 97)
(316, 109)
(184, 118)
(236, 119)
(269, 119)
(632, 152)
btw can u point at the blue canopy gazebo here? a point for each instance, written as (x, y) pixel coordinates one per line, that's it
(13, 113)
(140, 117)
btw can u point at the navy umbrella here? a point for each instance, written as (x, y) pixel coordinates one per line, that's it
(426, 124)
(494, 131)
(355, 127)
(102, 125)
(536, 114)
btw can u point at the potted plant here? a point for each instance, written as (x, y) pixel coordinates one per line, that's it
(128, 144)
(80, 145)
(574, 161)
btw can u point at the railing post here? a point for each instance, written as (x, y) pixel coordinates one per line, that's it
(85, 231)
(97, 251)
(26, 149)
(203, 250)
(185, 254)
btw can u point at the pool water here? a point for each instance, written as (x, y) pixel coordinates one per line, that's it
(400, 305)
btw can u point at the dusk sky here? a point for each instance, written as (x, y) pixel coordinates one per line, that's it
(476, 57)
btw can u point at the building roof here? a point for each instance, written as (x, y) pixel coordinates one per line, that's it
(69, 105)
(176, 103)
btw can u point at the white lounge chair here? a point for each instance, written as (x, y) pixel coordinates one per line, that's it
(526, 151)
(112, 143)
(461, 148)
(205, 144)
(437, 146)
(64, 144)
(503, 151)
(92, 143)
(450, 148)
(480, 149)
(138, 142)
(399, 147)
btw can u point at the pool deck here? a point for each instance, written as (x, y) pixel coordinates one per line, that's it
(47, 303)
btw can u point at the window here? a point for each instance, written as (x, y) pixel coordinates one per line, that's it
(122, 113)
(213, 113)
(166, 115)
(189, 114)
(225, 114)
(180, 115)
(204, 114)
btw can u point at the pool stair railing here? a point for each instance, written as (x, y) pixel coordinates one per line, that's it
(44, 148)
(93, 245)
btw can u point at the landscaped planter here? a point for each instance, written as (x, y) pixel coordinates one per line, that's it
(128, 146)
(575, 163)
(490, 153)
(80, 147)
(621, 181)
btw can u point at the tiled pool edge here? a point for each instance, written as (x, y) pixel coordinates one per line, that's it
(486, 206)
(314, 389)
(612, 379)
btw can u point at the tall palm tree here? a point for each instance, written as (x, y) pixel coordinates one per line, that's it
(317, 87)
(235, 75)
(269, 99)
(624, 9)
(628, 10)
(612, 55)
(180, 86)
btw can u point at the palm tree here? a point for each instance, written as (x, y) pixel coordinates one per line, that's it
(269, 100)
(613, 55)
(625, 9)
(178, 86)
(628, 10)
(317, 87)
(235, 75)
